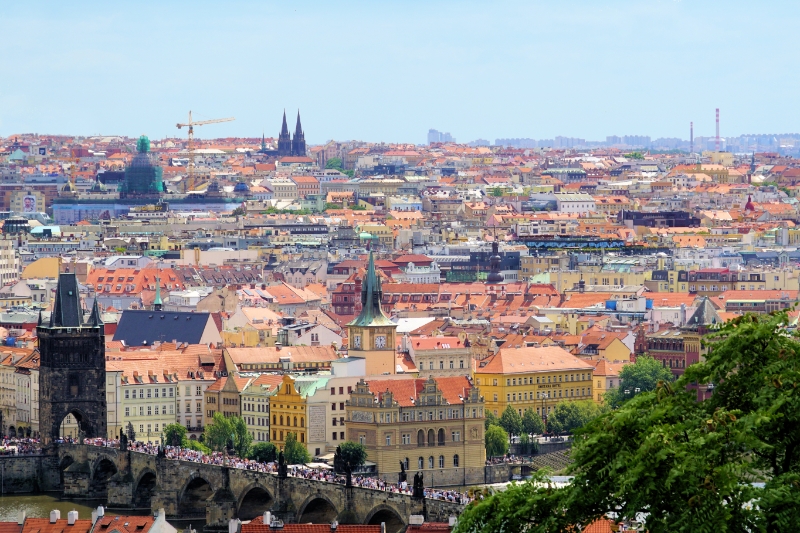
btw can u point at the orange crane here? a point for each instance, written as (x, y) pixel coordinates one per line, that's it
(190, 145)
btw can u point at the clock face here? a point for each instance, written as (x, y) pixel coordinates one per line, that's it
(380, 341)
(357, 341)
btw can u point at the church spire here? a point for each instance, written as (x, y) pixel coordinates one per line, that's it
(284, 128)
(157, 303)
(371, 295)
(298, 129)
(95, 319)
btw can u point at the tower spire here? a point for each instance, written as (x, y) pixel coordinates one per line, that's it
(371, 296)
(298, 129)
(95, 319)
(157, 303)
(284, 128)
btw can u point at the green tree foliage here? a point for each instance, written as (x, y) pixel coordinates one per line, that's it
(496, 441)
(497, 191)
(294, 452)
(224, 430)
(335, 163)
(570, 416)
(679, 464)
(353, 452)
(130, 433)
(511, 421)
(264, 452)
(635, 155)
(174, 435)
(197, 446)
(239, 212)
(490, 420)
(644, 375)
(532, 423)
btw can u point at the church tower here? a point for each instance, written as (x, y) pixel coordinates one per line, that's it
(284, 139)
(372, 335)
(72, 366)
(299, 141)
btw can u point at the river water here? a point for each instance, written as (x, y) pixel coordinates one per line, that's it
(40, 505)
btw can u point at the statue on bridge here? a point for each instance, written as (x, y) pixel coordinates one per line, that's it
(419, 487)
(162, 452)
(403, 477)
(283, 472)
(123, 441)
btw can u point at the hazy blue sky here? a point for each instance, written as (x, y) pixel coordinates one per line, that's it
(389, 70)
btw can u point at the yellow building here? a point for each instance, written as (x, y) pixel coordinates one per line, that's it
(384, 234)
(535, 378)
(44, 268)
(434, 426)
(288, 410)
(606, 377)
(372, 335)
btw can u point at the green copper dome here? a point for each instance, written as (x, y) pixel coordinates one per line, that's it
(371, 295)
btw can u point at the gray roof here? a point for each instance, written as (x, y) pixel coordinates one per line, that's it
(137, 327)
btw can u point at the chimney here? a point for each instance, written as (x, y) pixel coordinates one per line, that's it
(21, 518)
(267, 518)
(101, 512)
(383, 527)
(72, 516)
(683, 314)
(55, 516)
(452, 521)
(335, 525)
(94, 516)
(233, 525)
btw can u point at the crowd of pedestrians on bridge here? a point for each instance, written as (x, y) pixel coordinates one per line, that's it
(13, 446)
(218, 458)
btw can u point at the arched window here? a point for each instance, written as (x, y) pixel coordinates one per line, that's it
(281, 419)
(421, 463)
(295, 421)
(455, 460)
(430, 462)
(431, 440)
(405, 463)
(274, 420)
(441, 461)
(441, 437)
(302, 422)
(420, 438)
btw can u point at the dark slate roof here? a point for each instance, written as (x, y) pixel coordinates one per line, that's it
(705, 315)
(67, 311)
(136, 327)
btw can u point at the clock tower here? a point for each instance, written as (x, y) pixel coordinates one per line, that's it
(372, 335)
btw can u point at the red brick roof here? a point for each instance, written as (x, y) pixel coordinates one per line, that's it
(406, 391)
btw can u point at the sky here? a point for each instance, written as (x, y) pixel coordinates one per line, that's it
(390, 70)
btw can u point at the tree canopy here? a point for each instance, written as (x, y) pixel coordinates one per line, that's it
(354, 453)
(294, 452)
(490, 420)
(532, 423)
(334, 163)
(679, 464)
(496, 441)
(174, 435)
(228, 430)
(570, 416)
(263, 452)
(643, 375)
(511, 421)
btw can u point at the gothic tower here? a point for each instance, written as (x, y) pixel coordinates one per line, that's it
(372, 335)
(284, 139)
(299, 141)
(72, 367)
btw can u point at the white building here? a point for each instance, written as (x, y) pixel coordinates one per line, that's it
(574, 203)
(420, 274)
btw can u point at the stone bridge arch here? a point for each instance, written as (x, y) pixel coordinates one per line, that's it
(103, 469)
(254, 500)
(388, 515)
(143, 489)
(317, 508)
(194, 496)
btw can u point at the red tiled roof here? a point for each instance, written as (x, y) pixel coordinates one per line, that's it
(43, 525)
(407, 389)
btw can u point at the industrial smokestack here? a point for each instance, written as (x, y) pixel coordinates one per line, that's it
(717, 142)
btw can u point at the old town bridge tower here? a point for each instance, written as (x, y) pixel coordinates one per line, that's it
(72, 371)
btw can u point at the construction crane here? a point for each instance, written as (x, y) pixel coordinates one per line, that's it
(190, 145)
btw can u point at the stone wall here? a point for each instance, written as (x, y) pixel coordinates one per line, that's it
(32, 473)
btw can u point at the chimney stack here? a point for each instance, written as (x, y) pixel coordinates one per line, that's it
(55, 516)
(72, 516)
(21, 518)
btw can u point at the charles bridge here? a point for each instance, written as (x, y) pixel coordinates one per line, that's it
(215, 493)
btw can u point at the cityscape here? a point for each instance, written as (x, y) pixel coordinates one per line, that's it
(300, 312)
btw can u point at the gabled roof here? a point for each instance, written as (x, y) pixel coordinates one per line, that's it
(705, 315)
(137, 327)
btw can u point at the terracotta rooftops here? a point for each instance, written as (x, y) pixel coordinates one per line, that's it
(533, 359)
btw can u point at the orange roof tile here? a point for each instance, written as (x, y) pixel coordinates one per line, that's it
(534, 359)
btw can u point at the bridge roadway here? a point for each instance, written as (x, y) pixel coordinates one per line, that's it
(185, 489)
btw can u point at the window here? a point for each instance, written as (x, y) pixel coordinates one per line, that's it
(430, 462)
(388, 439)
(149, 391)
(156, 393)
(170, 391)
(441, 461)
(456, 436)
(495, 397)
(334, 435)
(333, 407)
(362, 439)
(141, 428)
(341, 435)
(508, 397)
(494, 382)
(126, 394)
(455, 460)
(141, 411)
(333, 391)
(149, 410)
(141, 394)
(406, 439)
(198, 391)
(420, 463)
(461, 364)
(127, 411)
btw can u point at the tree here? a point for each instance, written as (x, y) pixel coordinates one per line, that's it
(197, 446)
(218, 432)
(130, 433)
(680, 458)
(293, 452)
(239, 212)
(570, 416)
(174, 435)
(497, 192)
(643, 375)
(490, 420)
(496, 441)
(335, 163)
(354, 453)
(241, 437)
(263, 452)
(532, 423)
(511, 421)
